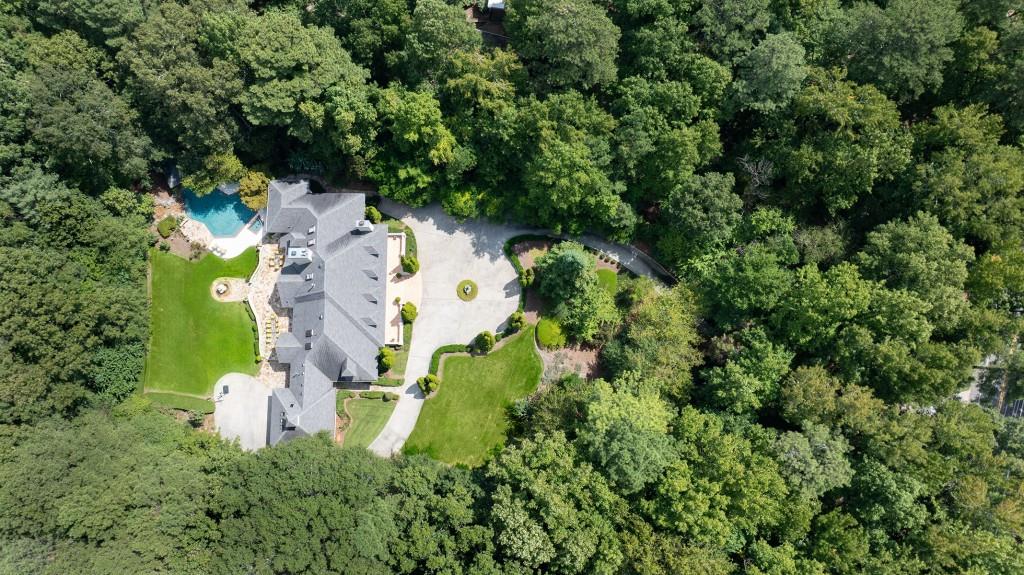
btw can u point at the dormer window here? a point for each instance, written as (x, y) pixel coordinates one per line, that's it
(312, 230)
(309, 277)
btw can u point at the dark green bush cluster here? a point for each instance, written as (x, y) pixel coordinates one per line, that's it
(167, 226)
(385, 359)
(435, 360)
(484, 342)
(428, 383)
(526, 277)
(516, 322)
(410, 264)
(373, 214)
(409, 312)
(389, 396)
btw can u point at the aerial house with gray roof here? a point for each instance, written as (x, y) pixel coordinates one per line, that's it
(334, 282)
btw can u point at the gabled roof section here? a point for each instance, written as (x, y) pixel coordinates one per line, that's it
(335, 284)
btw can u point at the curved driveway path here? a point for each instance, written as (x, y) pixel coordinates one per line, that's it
(449, 253)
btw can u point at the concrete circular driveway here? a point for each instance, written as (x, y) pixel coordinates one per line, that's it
(241, 411)
(449, 253)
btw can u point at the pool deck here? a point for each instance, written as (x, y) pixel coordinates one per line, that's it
(226, 248)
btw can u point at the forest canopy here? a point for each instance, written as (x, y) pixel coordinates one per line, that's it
(837, 187)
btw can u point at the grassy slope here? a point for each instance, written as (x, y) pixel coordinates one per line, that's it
(368, 418)
(466, 419)
(195, 339)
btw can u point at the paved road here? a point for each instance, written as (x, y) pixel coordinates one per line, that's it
(450, 252)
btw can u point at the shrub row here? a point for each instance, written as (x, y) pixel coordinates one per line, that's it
(350, 394)
(255, 331)
(388, 382)
(435, 360)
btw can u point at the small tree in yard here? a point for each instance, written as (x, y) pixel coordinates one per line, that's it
(409, 312)
(428, 383)
(253, 189)
(484, 342)
(385, 359)
(410, 264)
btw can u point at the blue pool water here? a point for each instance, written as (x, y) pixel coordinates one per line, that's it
(222, 214)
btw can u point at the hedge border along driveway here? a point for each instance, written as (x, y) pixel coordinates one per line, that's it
(467, 418)
(194, 339)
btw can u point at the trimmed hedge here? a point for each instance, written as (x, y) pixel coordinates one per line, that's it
(255, 332)
(388, 396)
(346, 394)
(435, 360)
(371, 395)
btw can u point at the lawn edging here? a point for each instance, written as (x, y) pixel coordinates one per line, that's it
(435, 360)
(180, 402)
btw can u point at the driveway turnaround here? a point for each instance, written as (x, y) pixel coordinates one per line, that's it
(241, 410)
(449, 253)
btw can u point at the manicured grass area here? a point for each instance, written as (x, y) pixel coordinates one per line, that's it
(368, 418)
(402, 353)
(183, 402)
(550, 334)
(195, 339)
(466, 419)
(609, 280)
(461, 290)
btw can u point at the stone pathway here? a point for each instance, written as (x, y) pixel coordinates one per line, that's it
(271, 320)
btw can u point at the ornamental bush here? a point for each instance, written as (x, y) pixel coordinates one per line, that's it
(373, 214)
(409, 312)
(410, 264)
(516, 322)
(484, 342)
(167, 226)
(526, 277)
(385, 359)
(428, 383)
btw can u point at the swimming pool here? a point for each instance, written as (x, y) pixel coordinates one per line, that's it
(224, 215)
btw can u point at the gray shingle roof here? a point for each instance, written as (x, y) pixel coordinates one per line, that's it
(335, 285)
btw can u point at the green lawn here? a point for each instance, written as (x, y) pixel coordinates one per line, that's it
(368, 418)
(466, 419)
(183, 402)
(402, 353)
(609, 280)
(195, 339)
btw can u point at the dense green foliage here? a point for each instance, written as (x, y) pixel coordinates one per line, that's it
(838, 186)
